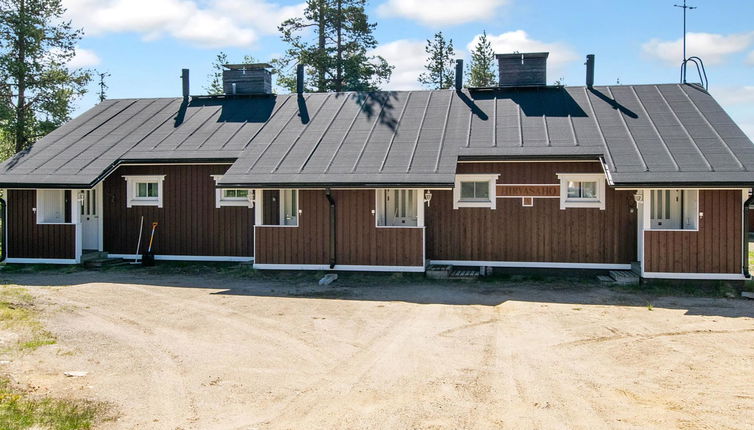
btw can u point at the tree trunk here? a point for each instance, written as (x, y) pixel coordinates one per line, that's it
(339, 56)
(321, 81)
(21, 138)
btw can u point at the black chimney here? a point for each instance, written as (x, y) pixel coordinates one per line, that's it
(590, 70)
(185, 79)
(300, 79)
(459, 75)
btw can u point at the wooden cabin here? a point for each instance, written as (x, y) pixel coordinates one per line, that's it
(520, 175)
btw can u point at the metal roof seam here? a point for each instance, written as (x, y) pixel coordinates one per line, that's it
(322, 136)
(573, 130)
(369, 136)
(198, 128)
(279, 132)
(628, 132)
(714, 130)
(300, 133)
(609, 155)
(395, 132)
(685, 131)
(657, 132)
(468, 134)
(117, 141)
(419, 133)
(444, 133)
(159, 142)
(272, 115)
(345, 135)
(87, 134)
(547, 131)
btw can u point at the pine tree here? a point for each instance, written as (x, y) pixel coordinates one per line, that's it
(39, 88)
(336, 56)
(482, 67)
(215, 86)
(440, 72)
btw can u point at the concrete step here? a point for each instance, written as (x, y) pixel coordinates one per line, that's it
(438, 272)
(104, 262)
(92, 255)
(624, 277)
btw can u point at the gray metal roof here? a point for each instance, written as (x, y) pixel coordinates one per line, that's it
(647, 134)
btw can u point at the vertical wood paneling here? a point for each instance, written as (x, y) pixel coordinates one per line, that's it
(358, 240)
(542, 233)
(27, 239)
(189, 222)
(715, 248)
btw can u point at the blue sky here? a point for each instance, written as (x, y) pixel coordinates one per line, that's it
(143, 44)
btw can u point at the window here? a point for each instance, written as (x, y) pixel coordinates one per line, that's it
(277, 207)
(673, 209)
(582, 190)
(232, 196)
(475, 191)
(144, 190)
(54, 207)
(398, 208)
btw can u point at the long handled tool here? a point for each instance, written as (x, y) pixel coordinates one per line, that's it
(148, 257)
(138, 244)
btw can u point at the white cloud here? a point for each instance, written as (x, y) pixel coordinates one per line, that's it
(733, 95)
(441, 12)
(408, 57)
(221, 23)
(519, 41)
(712, 48)
(84, 58)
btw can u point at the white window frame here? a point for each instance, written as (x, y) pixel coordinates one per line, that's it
(133, 181)
(221, 200)
(40, 207)
(259, 208)
(379, 205)
(566, 202)
(490, 178)
(648, 203)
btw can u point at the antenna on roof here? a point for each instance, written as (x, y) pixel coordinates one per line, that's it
(694, 59)
(685, 7)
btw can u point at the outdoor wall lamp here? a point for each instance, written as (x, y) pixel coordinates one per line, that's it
(80, 197)
(428, 197)
(252, 198)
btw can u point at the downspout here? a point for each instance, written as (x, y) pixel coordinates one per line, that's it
(745, 238)
(328, 194)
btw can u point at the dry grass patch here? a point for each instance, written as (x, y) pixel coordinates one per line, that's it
(19, 316)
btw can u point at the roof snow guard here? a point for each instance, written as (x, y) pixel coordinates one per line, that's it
(646, 134)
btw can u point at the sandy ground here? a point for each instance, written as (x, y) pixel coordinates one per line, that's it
(179, 352)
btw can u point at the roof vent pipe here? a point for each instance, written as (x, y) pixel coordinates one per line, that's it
(300, 79)
(459, 75)
(590, 70)
(185, 79)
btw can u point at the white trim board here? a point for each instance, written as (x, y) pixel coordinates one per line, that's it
(536, 265)
(341, 268)
(695, 276)
(41, 261)
(208, 258)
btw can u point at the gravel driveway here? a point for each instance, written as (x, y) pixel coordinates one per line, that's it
(220, 352)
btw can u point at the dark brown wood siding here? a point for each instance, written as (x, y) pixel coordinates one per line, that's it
(358, 240)
(189, 222)
(27, 239)
(715, 248)
(542, 233)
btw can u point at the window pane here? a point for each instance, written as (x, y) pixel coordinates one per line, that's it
(141, 189)
(242, 193)
(574, 189)
(467, 190)
(482, 190)
(667, 204)
(589, 190)
(229, 193)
